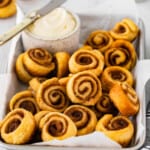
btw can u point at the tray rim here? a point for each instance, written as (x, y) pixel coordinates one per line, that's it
(45, 147)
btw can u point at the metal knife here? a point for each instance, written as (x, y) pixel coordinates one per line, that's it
(30, 18)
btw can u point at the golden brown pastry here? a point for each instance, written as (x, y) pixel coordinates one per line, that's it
(84, 88)
(38, 116)
(63, 81)
(104, 105)
(18, 127)
(7, 8)
(35, 83)
(119, 128)
(38, 62)
(21, 71)
(115, 74)
(24, 99)
(85, 47)
(125, 99)
(61, 59)
(84, 118)
(52, 96)
(121, 54)
(125, 29)
(100, 40)
(58, 126)
(86, 60)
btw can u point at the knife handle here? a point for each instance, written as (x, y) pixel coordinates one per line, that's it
(18, 28)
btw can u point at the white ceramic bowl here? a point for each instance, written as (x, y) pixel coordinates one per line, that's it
(68, 43)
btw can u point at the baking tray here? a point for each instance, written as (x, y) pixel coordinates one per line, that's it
(88, 23)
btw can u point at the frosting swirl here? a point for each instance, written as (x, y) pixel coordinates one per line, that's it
(54, 25)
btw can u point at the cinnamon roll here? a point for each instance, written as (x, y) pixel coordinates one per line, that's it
(125, 29)
(84, 118)
(61, 59)
(104, 106)
(24, 99)
(35, 83)
(115, 74)
(125, 99)
(86, 60)
(119, 128)
(38, 62)
(52, 96)
(100, 40)
(56, 125)
(121, 54)
(18, 127)
(84, 88)
(7, 8)
(21, 71)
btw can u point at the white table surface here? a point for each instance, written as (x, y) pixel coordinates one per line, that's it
(143, 9)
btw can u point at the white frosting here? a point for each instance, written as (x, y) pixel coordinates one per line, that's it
(57, 24)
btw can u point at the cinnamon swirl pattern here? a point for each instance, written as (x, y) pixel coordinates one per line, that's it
(100, 40)
(52, 96)
(7, 8)
(18, 127)
(84, 88)
(84, 118)
(104, 106)
(115, 74)
(125, 29)
(25, 100)
(125, 99)
(121, 54)
(34, 63)
(119, 128)
(62, 59)
(56, 125)
(86, 60)
(38, 62)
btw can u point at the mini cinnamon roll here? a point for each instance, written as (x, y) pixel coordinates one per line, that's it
(86, 60)
(58, 126)
(7, 8)
(84, 88)
(21, 71)
(115, 74)
(104, 105)
(35, 83)
(62, 59)
(18, 127)
(100, 40)
(119, 128)
(38, 62)
(121, 54)
(125, 29)
(24, 99)
(84, 118)
(125, 99)
(38, 116)
(52, 96)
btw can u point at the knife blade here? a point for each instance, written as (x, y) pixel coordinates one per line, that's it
(30, 18)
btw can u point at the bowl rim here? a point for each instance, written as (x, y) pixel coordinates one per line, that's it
(77, 27)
